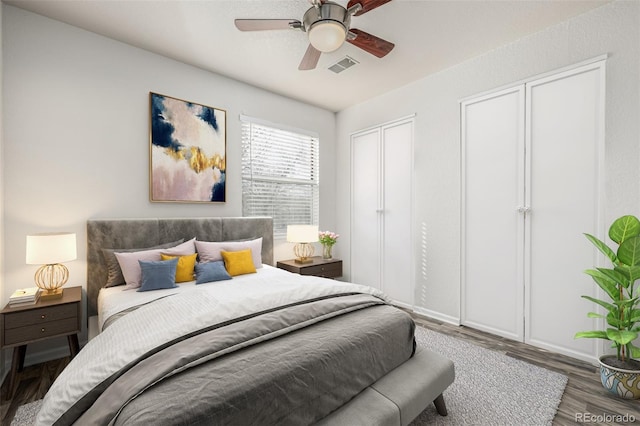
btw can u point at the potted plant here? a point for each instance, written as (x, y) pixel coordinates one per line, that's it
(619, 373)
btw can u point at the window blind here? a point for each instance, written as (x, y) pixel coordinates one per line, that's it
(279, 175)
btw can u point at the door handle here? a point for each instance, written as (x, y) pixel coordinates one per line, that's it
(524, 209)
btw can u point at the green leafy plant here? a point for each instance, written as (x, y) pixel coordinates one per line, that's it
(619, 283)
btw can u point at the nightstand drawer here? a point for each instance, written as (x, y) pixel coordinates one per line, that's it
(34, 332)
(40, 316)
(329, 270)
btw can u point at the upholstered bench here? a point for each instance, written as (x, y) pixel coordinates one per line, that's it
(401, 395)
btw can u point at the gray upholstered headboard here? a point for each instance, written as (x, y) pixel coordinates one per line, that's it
(139, 233)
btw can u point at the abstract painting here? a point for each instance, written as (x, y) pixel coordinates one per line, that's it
(187, 151)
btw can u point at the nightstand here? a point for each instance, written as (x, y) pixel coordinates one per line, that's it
(319, 267)
(22, 325)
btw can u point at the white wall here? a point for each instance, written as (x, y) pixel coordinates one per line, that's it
(74, 144)
(613, 29)
(76, 138)
(2, 233)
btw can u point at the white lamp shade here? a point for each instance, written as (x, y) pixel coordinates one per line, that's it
(302, 233)
(51, 248)
(327, 36)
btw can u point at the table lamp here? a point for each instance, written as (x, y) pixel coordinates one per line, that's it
(303, 236)
(50, 250)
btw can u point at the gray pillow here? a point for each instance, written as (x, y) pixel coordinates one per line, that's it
(114, 273)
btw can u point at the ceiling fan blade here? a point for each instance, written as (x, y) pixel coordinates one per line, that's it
(370, 43)
(266, 24)
(367, 5)
(310, 59)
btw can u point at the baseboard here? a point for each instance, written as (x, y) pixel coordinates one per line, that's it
(402, 305)
(46, 355)
(493, 330)
(590, 358)
(439, 316)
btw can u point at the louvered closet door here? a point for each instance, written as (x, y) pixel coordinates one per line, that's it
(493, 175)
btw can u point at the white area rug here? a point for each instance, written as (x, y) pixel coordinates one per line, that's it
(26, 414)
(490, 388)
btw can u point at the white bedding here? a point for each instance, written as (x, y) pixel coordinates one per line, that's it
(112, 300)
(187, 308)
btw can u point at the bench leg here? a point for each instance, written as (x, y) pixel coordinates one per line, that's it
(441, 408)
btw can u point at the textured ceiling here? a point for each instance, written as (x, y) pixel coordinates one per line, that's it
(429, 36)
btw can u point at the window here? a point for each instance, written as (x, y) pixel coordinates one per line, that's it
(279, 174)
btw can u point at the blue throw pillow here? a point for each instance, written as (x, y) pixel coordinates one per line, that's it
(158, 274)
(211, 271)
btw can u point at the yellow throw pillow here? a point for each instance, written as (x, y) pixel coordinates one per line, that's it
(186, 265)
(238, 262)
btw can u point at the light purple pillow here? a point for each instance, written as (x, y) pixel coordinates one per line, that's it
(184, 249)
(114, 273)
(129, 262)
(210, 251)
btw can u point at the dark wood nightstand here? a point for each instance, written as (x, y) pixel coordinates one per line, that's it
(22, 325)
(319, 267)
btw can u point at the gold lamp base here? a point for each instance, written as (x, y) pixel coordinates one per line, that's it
(303, 251)
(51, 294)
(50, 278)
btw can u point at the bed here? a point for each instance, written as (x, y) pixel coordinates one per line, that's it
(261, 346)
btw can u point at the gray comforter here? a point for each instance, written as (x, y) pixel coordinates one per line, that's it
(290, 364)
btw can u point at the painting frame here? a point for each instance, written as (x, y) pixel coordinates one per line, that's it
(187, 151)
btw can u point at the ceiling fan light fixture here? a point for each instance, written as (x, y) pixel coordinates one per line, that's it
(327, 36)
(328, 26)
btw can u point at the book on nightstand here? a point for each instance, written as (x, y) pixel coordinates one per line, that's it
(24, 296)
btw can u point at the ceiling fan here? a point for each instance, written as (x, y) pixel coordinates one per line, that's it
(328, 26)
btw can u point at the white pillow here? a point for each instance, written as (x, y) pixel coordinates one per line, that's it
(210, 251)
(131, 268)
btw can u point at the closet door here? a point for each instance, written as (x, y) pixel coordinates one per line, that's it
(565, 128)
(381, 206)
(493, 189)
(397, 170)
(365, 209)
(528, 197)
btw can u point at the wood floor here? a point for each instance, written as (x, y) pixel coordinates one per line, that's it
(35, 380)
(584, 399)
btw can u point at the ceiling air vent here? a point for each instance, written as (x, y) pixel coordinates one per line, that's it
(343, 64)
